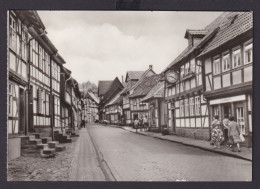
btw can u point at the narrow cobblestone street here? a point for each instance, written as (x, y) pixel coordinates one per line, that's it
(104, 153)
(26, 168)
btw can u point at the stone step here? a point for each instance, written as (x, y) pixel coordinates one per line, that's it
(60, 148)
(45, 140)
(75, 135)
(42, 146)
(53, 144)
(37, 135)
(35, 141)
(48, 153)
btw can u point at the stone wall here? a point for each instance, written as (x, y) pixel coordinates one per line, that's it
(202, 134)
(14, 147)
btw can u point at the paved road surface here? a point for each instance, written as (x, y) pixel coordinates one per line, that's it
(85, 166)
(134, 157)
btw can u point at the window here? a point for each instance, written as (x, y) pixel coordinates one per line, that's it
(182, 71)
(216, 66)
(187, 68)
(12, 35)
(226, 62)
(12, 61)
(192, 66)
(215, 110)
(241, 119)
(236, 58)
(43, 102)
(39, 101)
(47, 104)
(181, 108)
(191, 106)
(24, 40)
(197, 105)
(186, 108)
(248, 53)
(10, 100)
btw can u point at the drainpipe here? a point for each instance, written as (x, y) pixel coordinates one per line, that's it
(51, 97)
(28, 90)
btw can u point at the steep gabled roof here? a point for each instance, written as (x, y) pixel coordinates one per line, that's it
(145, 86)
(115, 100)
(188, 51)
(134, 75)
(114, 88)
(223, 29)
(129, 87)
(231, 26)
(93, 97)
(156, 92)
(103, 87)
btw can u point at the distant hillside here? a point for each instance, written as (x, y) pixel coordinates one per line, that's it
(87, 87)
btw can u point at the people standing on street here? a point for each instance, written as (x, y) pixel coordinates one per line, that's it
(141, 123)
(216, 134)
(233, 133)
(136, 123)
(83, 123)
(225, 123)
(145, 120)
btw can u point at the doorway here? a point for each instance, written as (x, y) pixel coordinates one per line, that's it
(227, 109)
(173, 121)
(135, 116)
(240, 116)
(21, 111)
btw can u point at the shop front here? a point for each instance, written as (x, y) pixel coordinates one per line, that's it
(238, 106)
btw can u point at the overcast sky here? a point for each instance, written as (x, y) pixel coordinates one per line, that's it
(100, 45)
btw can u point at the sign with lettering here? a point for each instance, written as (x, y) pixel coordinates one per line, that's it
(227, 100)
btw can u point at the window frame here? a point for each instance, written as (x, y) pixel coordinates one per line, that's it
(226, 56)
(248, 43)
(234, 54)
(216, 62)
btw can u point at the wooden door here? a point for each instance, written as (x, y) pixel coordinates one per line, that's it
(21, 111)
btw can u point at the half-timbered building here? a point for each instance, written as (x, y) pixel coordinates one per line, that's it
(138, 108)
(133, 78)
(157, 107)
(227, 68)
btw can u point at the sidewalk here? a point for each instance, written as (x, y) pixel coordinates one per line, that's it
(246, 153)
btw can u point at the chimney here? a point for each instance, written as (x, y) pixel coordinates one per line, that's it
(151, 67)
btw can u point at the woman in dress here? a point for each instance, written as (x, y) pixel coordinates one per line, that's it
(233, 133)
(216, 133)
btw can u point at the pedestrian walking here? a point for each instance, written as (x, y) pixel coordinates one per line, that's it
(84, 123)
(225, 123)
(216, 133)
(234, 133)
